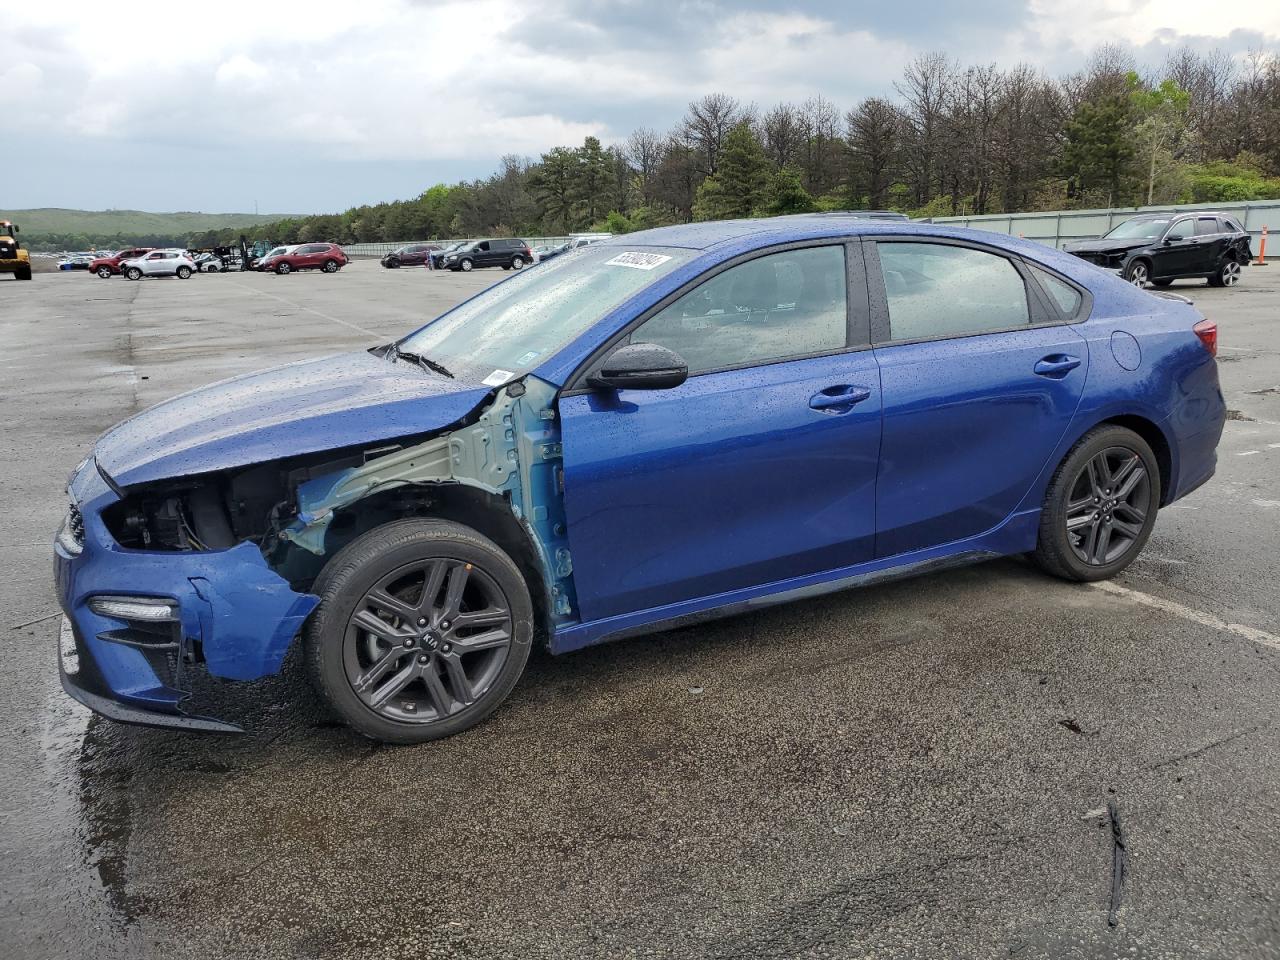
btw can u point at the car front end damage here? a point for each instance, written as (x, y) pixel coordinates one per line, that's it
(210, 573)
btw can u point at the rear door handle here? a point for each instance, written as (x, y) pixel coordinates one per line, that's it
(840, 396)
(1056, 365)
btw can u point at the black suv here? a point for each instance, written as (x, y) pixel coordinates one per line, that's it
(1159, 248)
(509, 254)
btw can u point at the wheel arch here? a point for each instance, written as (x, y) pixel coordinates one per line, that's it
(488, 514)
(1156, 439)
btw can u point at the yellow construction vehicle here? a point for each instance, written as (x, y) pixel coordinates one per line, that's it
(13, 259)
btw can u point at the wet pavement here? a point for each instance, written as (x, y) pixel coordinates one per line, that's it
(918, 769)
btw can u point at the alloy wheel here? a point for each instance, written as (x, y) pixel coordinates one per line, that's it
(1108, 506)
(1138, 275)
(104, 272)
(1230, 273)
(427, 641)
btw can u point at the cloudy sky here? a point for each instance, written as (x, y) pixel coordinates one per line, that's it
(316, 105)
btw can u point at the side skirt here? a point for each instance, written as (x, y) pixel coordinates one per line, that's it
(1016, 535)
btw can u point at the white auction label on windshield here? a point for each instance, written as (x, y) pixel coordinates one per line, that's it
(640, 261)
(497, 378)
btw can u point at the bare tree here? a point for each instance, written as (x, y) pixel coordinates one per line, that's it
(782, 134)
(924, 87)
(707, 123)
(874, 131)
(644, 150)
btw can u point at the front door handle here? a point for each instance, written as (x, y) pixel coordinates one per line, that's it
(838, 398)
(1056, 365)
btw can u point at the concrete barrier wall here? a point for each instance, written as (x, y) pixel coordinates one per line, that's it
(1059, 227)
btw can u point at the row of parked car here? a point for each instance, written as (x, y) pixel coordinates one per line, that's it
(463, 256)
(139, 262)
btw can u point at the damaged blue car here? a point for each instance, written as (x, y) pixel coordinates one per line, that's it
(673, 425)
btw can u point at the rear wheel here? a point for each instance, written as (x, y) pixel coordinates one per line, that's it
(1227, 274)
(517, 263)
(283, 268)
(104, 272)
(1138, 273)
(423, 629)
(1100, 506)
(331, 266)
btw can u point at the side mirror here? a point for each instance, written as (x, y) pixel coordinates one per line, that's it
(1168, 241)
(641, 366)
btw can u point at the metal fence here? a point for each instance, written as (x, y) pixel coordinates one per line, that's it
(1056, 228)
(379, 250)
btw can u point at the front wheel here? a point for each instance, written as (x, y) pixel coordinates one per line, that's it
(1138, 274)
(1227, 274)
(465, 266)
(104, 272)
(283, 268)
(423, 629)
(1100, 506)
(184, 273)
(133, 273)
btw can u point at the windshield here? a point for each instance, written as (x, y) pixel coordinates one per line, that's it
(515, 325)
(1138, 230)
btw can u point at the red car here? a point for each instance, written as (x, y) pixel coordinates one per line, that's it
(310, 256)
(109, 266)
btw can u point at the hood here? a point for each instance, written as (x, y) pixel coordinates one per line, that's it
(305, 407)
(1105, 246)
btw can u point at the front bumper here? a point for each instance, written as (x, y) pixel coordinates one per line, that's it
(233, 617)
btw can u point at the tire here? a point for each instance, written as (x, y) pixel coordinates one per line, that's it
(392, 264)
(184, 273)
(104, 272)
(283, 268)
(1087, 552)
(212, 268)
(133, 273)
(1227, 274)
(417, 661)
(517, 263)
(1161, 283)
(331, 266)
(1138, 273)
(22, 273)
(465, 266)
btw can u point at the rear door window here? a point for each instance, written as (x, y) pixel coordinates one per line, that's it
(939, 290)
(1206, 226)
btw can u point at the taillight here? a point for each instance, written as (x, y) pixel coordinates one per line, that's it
(1207, 331)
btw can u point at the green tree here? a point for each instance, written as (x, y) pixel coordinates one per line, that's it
(1161, 115)
(737, 189)
(1098, 146)
(594, 178)
(555, 184)
(785, 193)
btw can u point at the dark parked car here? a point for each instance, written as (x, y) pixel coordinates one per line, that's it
(1159, 248)
(440, 254)
(509, 254)
(308, 256)
(680, 423)
(410, 255)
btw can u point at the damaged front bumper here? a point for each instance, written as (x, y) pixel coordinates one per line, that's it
(227, 612)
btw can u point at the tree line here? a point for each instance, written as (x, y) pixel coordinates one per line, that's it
(954, 140)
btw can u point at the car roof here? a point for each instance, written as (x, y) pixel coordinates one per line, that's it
(762, 232)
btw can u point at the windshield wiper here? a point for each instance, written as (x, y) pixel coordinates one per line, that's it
(425, 362)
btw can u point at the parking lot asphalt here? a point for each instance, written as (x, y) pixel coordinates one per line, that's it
(918, 769)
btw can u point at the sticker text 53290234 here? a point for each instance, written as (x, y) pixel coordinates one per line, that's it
(638, 261)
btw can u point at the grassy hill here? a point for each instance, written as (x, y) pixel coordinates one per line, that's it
(58, 228)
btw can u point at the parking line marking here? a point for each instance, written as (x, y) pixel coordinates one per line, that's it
(1248, 453)
(345, 323)
(1252, 634)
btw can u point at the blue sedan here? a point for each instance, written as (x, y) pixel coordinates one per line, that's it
(682, 423)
